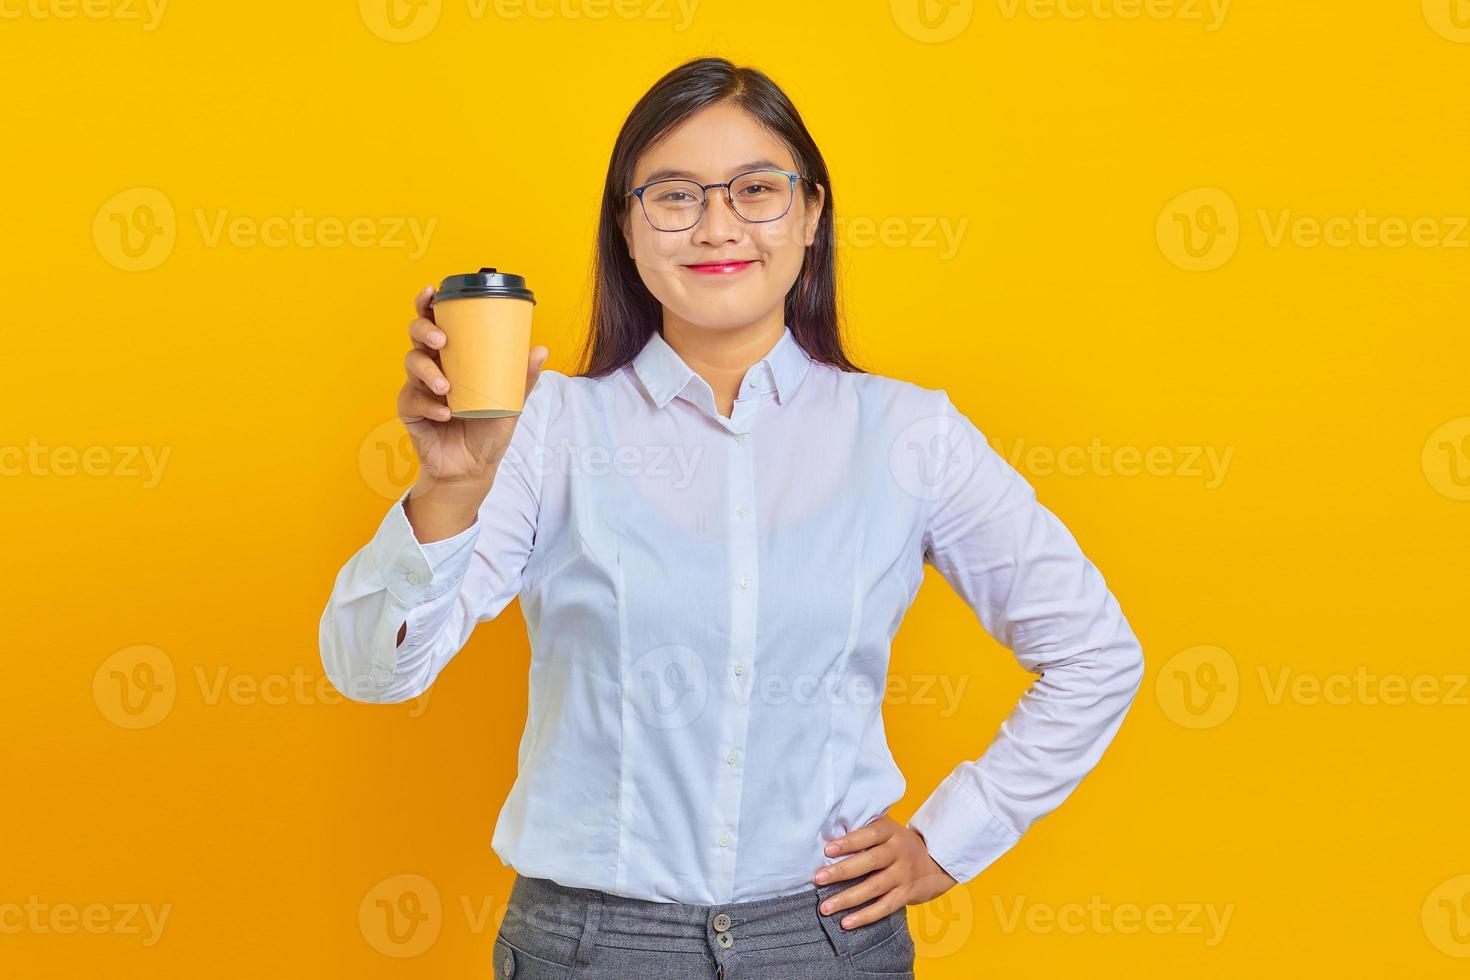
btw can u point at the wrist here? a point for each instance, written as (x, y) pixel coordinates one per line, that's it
(439, 510)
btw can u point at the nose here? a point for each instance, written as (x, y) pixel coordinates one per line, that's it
(719, 223)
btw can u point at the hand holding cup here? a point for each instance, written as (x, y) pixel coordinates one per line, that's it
(454, 453)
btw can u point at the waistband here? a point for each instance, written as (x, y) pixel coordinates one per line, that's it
(589, 918)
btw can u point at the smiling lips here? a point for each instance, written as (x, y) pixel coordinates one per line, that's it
(720, 268)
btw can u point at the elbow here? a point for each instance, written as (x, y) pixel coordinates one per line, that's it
(356, 673)
(336, 664)
(1131, 667)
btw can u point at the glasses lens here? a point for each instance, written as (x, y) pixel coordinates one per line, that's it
(763, 195)
(673, 205)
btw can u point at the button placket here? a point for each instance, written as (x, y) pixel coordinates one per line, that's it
(742, 549)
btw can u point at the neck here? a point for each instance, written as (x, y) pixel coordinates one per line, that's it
(722, 355)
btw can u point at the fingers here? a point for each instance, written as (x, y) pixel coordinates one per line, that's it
(426, 335)
(421, 302)
(854, 866)
(888, 899)
(867, 835)
(881, 886)
(415, 403)
(424, 368)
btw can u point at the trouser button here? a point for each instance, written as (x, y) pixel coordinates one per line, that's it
(722, 922)
(725, 939)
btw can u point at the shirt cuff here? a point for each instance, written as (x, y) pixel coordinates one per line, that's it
(415, 573)
(963, 836)
(452, 552)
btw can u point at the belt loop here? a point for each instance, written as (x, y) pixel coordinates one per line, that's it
(587, 944)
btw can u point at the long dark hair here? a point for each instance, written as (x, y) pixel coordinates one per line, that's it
(624, 313)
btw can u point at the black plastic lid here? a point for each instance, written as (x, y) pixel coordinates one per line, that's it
(486, 282)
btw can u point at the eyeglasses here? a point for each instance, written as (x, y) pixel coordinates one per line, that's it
(756, 195)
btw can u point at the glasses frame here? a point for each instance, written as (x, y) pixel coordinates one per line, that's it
(704, 201)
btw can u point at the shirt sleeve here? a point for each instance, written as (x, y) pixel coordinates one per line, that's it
(1033, 590)
(440, 590)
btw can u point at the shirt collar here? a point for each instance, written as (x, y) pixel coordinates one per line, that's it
(664, 373)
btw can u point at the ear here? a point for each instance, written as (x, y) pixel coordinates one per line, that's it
(814, 214)
(623, 226)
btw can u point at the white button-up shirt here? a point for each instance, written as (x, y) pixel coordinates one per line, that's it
(710, 603)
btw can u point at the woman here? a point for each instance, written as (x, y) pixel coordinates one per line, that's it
(715, 530)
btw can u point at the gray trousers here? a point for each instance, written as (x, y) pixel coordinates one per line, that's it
(553, 932)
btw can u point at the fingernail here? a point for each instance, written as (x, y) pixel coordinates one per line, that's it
(847, 923)
(436, 336)
(820, 877)
(826, 907)
(441, 386)
(831, 848)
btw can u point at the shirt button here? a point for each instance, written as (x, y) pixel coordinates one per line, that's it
(745, 582)
(755, 382)
(742, 511)
(739, 669)
(730, 758)
(724, 840)
(413, 578)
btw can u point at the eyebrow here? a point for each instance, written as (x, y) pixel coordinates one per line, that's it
(665, 173)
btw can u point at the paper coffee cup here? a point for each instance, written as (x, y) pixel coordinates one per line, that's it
(486, 319)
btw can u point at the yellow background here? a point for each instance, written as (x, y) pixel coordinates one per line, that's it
(1069, 152)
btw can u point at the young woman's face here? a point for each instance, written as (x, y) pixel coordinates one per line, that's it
(712, 146)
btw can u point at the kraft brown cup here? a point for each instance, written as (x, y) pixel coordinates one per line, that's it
(486, 319)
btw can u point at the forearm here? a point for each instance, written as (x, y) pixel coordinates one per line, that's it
(441, 510)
